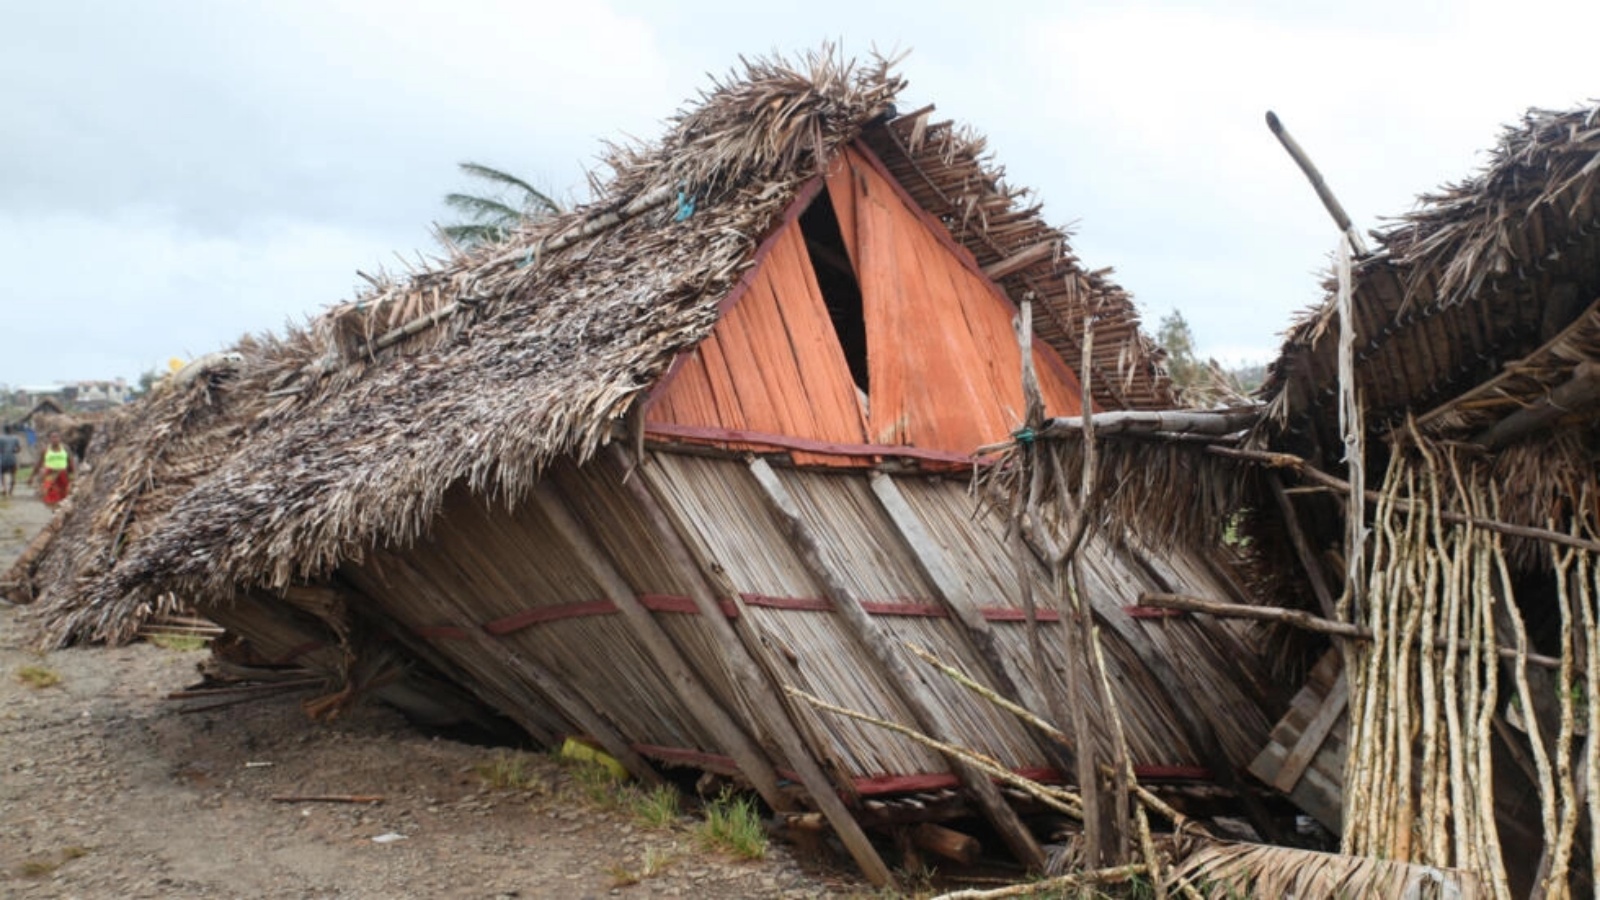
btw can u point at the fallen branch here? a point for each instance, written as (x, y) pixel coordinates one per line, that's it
(1160, 807)
(264, 687)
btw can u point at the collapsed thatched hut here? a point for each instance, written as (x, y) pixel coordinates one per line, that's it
(1422, 476)
(635, 471)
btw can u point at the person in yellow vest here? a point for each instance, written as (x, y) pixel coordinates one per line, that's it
(53, 474)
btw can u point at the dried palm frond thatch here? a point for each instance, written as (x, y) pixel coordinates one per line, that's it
(1260, 870)
(484, 368)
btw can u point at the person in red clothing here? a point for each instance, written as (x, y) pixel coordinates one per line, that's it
(53, 474)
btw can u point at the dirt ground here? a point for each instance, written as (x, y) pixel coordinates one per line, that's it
(108, 790)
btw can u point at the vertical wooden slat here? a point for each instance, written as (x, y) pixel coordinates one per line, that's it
(740, 654)
(690, 690)
(923, 705)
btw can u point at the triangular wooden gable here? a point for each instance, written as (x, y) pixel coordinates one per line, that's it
(942, 364)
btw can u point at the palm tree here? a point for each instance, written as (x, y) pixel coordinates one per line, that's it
(491, 218)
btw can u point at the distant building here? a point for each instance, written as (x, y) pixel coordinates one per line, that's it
(82, 395)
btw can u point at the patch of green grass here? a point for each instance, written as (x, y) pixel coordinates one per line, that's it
(510, 772)
(38, 677)
(657, 807)
(733, 826)
(183, 643)
(597, 785)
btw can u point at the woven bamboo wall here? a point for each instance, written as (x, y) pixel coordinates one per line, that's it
(511, 570)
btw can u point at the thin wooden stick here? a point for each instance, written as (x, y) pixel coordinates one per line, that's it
(1299, 618)
(1057, 799)
(1113, 875)
(1179, 821)
(1302, 547)
(1100, 830)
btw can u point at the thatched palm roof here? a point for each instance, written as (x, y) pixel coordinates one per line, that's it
(1481, 275)
(280, 464)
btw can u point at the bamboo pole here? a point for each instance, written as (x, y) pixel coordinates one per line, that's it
(923, 705)
(588, 553)
(740, 652)
(1352, 433)
(1101, 828)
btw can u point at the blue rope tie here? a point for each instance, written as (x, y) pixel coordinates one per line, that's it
(685, 206)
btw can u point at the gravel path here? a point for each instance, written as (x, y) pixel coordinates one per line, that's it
(109, 791)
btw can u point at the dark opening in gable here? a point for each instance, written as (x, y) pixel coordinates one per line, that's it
(837, 279)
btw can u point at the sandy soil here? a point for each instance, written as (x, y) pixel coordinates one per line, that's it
(108, 790)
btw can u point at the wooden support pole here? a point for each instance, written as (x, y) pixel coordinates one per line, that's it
(685, 683)
(1126, 422)
(1324, 193)
(924, 707)
(947, 842)
(740, 652)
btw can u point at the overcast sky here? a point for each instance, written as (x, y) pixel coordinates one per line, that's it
(176, 174)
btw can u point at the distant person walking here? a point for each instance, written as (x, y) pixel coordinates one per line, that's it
(53, 474)
(10, 447)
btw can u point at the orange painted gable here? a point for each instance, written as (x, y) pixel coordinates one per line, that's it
(943, 368)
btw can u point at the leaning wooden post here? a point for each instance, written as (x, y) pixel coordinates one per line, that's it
(685, 683)
(768, 704)
(1022, 507)
(923, 705)
(1324, 193)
